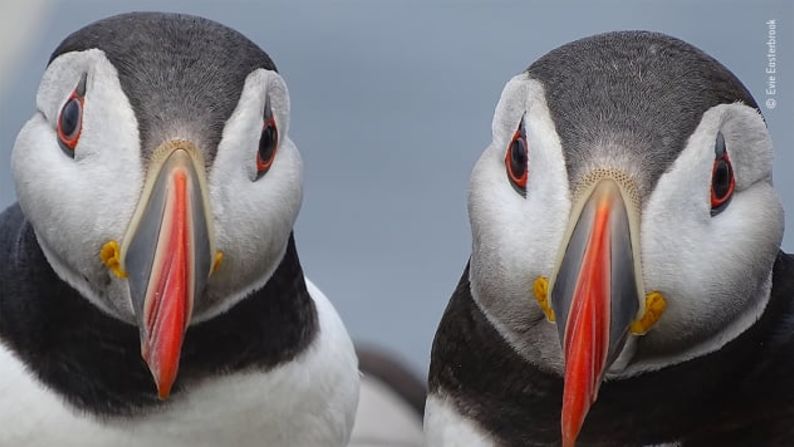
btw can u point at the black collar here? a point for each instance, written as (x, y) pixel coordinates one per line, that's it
(748, 384)
(94, 361)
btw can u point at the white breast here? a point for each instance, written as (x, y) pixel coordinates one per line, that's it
(308, 402)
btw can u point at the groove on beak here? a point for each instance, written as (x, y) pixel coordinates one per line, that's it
(168, 256)
(596, 296)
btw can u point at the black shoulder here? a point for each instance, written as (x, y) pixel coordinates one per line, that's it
(11, 220)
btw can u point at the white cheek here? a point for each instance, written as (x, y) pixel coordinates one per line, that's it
(515, 238)
(253, 225)
(253, 218)
(713, 270)
(78, 204)
(676, 219)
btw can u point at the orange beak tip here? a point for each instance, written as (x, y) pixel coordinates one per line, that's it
(164, 378)
(163, 393)
(163, 362)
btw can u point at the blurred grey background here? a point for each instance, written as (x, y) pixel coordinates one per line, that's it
(392, 103)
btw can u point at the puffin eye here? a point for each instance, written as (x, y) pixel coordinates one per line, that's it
(722, 179)
(516, 160)
(268, 143)
(70, 119)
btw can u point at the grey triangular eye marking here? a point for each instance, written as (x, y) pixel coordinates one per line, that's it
(81, 86)
(719, 146)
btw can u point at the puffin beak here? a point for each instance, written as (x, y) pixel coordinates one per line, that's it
(595, 295)
(167, 255)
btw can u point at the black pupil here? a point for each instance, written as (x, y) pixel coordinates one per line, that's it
(267, 143)
(721, 183)
(70, 117)
(518, 157)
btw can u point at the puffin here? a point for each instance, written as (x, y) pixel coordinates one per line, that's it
(150, 287)
(626, 285)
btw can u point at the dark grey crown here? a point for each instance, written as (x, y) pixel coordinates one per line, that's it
(180, 72)
(640, 93)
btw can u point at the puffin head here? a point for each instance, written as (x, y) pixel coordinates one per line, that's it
(158, 174)
(623, 216)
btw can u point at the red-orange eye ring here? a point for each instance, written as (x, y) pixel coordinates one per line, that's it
(268, 143)
(70, 119)
(517, 160)
(723, 181)
(70, 122)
